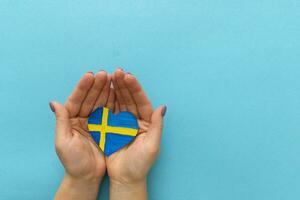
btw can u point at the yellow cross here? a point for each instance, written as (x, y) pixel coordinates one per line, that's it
(103, 128)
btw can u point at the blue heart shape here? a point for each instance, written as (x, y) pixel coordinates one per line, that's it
(112, 131)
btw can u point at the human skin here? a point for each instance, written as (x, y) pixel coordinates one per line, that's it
(84, 163)
(128, 168)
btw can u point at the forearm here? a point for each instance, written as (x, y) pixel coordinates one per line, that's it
(76, 189)
(135, 191)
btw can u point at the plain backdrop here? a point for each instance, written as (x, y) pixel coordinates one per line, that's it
(227, 70)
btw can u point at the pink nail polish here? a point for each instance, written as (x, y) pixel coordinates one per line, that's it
(164, 111)
(51, 107)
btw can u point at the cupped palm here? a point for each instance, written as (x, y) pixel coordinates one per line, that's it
(76, 149)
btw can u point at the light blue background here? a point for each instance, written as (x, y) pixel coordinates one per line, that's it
(227, 70)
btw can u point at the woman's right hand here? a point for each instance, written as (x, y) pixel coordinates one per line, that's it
(82, 159)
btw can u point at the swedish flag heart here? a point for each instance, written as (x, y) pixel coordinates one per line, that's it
(112, 131)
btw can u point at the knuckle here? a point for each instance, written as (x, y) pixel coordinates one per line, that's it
(160, 126)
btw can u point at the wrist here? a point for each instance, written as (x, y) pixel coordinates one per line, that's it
(78, 188)
(89, 180)
(81, 181)
(128, 190)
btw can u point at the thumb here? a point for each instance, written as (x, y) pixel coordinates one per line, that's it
(63, 126)
(156, 124)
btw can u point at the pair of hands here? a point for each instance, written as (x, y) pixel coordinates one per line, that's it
(84, 163)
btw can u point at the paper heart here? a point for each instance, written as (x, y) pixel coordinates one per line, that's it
(112, 131)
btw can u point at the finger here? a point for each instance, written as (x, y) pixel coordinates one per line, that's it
(129, 102)
(111, 100)
(144, 106)
(119, 97)
(91, 98)
(156, 125)
(77, 97)
(143, 126)
(63, 126)
(103, 97)
(117, 106)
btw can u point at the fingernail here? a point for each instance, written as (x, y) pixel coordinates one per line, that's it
(90, 72)
(164, 111)
(120, 68)
(102, 71)
(129, 73)
(51, 106)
